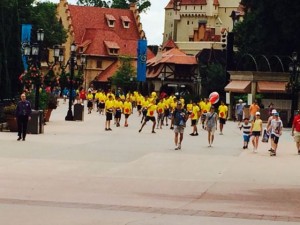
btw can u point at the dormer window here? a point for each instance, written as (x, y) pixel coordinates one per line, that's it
(112, 47)
(111, 20)
(125, 21)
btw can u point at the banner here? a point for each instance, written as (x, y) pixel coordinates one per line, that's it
(142, 59)
(25, 40)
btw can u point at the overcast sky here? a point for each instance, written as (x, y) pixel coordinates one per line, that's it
(152, 20)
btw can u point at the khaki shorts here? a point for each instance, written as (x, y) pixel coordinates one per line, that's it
(179, 129)
(297, 136)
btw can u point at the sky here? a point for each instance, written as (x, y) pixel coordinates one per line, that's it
(152, 20)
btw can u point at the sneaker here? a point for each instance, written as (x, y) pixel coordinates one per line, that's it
(153, 132)
(19, 138)
(244, 147)
(109, 129)
(221, 133)
(179, 146)
(255, 150)
(196, 134)
(176, 148)
(106, 129)
(273, 154)
(192, 134)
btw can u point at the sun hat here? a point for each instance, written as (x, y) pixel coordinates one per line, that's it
(274, 111)
(257, 113)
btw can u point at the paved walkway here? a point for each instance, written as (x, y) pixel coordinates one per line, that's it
(78, 173)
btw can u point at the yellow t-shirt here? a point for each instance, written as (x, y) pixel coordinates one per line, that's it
(127, 107)
(195, 112)
(189, 107)
(109, 105)
(102, 97)
(205, 107)
(90, 96)
(118, 105)
(223, 110)
(151, 110)
(161, 107)
(256, 125)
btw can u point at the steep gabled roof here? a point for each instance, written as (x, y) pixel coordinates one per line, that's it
(90, 24)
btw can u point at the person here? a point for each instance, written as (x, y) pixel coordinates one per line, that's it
(65, 94)
(266, 132)
(151, 108)
(239, 110)
(178, 121)
(127, 110)
(223, 111)
(195, 115)
(118, 104)
(109, 109)
(160, 113)
(89, 102)
(205, 106)
(253, 109)
(246, 126)
(23, 113)
(256, 131)
(211, 121)
(275, 128)
(296, 131)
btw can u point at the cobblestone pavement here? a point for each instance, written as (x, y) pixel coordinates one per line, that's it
(78, 173)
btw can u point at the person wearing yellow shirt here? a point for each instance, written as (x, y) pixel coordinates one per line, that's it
(109, 110)
(118, 104)
(101, 105)
(127, 110)
(151, 108)
(145, 104)
(89, 97)
(194, 118)
(139, 101)
(223, 111)
(160, 113)
(205, 108)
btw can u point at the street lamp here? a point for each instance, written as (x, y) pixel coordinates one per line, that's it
(294, 84)
(33, 51)
(70, 116)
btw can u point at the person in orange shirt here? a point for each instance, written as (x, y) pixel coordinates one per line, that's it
(253, 109)
(127, 110)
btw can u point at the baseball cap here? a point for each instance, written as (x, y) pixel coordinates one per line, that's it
(274, 111)
(240, 100)
(276, 114)
(257, 113)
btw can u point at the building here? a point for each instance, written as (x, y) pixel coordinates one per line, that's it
(102, 34)
(199, 24)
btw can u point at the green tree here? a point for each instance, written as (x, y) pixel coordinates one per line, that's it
(125, 75)
(143, 5)
(269, 27)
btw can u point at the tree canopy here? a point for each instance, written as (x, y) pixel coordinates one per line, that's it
(269, 27)
(143, 5)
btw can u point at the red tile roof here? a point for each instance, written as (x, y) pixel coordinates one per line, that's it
(169, 44)
(111, 44)
(90, 24)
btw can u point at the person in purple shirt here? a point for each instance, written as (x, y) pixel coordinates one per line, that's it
(23, 113)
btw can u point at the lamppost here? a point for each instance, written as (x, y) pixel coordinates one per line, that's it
(294, 84)
(33, 51)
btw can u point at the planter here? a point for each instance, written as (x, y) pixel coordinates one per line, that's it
(48, 114)
(12, 123)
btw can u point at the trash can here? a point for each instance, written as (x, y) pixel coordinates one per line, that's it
(36, 124)
(78, 112)
(33, 123)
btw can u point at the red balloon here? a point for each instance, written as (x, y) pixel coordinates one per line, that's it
(214, 97)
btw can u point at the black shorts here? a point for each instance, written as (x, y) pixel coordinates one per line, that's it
(222, 120)
(118, 114)
(101, 105)
(152, 118)
(126, 116)
(139, 107)
(108, 116)
(256, 133)
(167, 112)
(194, 122)
(90, 104)
(144, 112)
(275, 138)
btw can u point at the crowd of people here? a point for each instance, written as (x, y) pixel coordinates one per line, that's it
(163, 109)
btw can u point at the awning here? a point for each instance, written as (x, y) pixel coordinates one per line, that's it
(240, 86)
(271, 86)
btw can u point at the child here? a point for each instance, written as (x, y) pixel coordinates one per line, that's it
(246, 132)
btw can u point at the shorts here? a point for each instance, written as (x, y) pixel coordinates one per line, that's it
(246, 138)
(160, 116)
(297, 136)
(90, 104)
(118, 114)
(101, 105)
(126, 116)
(240, 117)
(144, 111)
(139, 107)
(194, 122)
(222, 121)
(178, 129)
(108, 116)
(256, 133)
(152, 118)
(212, 130)
(275, 138)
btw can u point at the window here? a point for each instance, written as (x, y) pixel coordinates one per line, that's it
(110, 20)
(188, 22)
(126, 24)
(99, 64)
(125, 21)
(113, 51)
